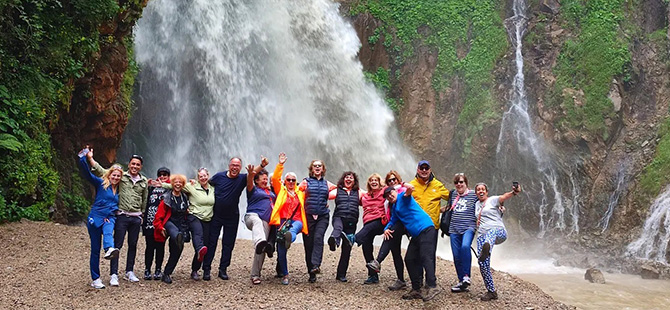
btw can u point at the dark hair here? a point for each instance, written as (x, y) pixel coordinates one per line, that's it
(458, 176)
(258, 175)
(137, 157)
(486, 187)
(340, 183)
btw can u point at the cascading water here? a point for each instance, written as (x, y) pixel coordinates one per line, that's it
(653, 241)
(255, 77)
(522, 155)
(620, 188)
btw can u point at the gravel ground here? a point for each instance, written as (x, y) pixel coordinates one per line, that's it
(45, 265)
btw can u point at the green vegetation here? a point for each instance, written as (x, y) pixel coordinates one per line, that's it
(589, 62)
(381, 80)
(656, 173)
(45, 46)
(469, 38)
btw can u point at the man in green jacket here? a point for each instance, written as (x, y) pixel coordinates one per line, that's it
(133, 191)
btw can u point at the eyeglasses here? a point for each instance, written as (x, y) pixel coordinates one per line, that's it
(391, 180)
(290, 180)
(459, 182)
(424, 168)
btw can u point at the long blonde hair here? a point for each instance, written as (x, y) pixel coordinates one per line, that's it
(105, 178)
(374, 176)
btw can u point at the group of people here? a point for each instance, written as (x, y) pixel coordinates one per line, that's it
(173, 208)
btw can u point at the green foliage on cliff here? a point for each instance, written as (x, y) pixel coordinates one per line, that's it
(656, 174)
(469, 38)
(381, 80)
(45, 45)
(589, 62)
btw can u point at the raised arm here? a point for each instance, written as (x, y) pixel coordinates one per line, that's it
(86, 171)
(276, 175)
(95, 167)
(515, 191)
(252, 171)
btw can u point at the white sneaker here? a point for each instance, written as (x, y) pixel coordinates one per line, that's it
(114, 280)
(130, 276)
(97, 283)
(111, 253)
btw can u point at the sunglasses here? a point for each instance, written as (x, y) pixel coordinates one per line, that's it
(116, 166)
(459, 182)
(290, 180)
(137, 157)
(317, 166)
(203, 168)
(391, 180)
(459, 174)
(424, 168)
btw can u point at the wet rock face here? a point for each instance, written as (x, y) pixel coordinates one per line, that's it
(594, 275)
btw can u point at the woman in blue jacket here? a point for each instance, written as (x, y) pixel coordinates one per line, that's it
(102, 217)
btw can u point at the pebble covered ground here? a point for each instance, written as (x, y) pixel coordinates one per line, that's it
(45, 266)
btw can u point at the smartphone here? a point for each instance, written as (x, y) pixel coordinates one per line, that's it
(515, 185)
(83, 152)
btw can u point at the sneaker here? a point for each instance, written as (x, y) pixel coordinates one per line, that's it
(341, 279)
(97, 283)
(398, 285)
(374, 265)
(413, 294)
(195, 276)
(284, 280)
(260, 247)
(312, 277)
(288, 239)
(130, 276)
(372, 280)
(158, 275)
(111, 253)
(180, 244)
(114, 280)
(486, 251)
(201, 254)
(466, 282)
(332, 244)
(147, 274)
(206, 275)
(489, 296)
(166, 277)
(459, 288)
(269, 249)
(431, 293)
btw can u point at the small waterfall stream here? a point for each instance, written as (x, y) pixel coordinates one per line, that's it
(619, 190)
(254, 77)
(523, 155)
(653, 241)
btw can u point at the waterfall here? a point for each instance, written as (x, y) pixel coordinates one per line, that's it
(621, 180)
(254, 77)
(522, 155)
(653, 241)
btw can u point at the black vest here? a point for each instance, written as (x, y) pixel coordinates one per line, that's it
(346, 204)
(316, 196)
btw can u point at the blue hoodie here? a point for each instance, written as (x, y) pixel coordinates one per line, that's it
(409, 213)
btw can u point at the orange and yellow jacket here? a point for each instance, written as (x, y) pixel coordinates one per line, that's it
(428, 195)
(281, 192)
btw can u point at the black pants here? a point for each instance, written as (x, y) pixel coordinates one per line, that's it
(366, 236)
(153, 246)
(348, 227)
(314, 241)
(131, 225)
(229, 225)
(195, 264)
(173, 229)
(393, 245)
(420, 258)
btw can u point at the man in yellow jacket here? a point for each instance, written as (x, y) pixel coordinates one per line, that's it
(428, 191)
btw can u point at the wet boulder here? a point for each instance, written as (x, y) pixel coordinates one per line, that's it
(647, 271)
(594, 275)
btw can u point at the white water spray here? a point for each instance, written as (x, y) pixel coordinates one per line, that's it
(256, 77)
(653, 241)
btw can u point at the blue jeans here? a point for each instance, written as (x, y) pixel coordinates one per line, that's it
(460, 247)
(295, 229)
(106, 231)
